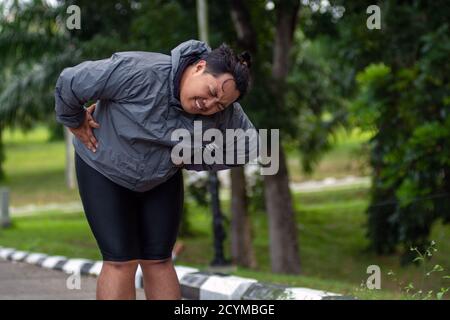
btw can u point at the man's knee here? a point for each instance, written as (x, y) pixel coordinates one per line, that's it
(122, 266)
(152, 262)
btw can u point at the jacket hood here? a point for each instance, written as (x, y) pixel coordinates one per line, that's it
(185, 52)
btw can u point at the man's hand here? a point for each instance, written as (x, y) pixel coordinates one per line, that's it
(84, 132)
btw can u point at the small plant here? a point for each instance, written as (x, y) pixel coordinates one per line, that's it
(423, 259)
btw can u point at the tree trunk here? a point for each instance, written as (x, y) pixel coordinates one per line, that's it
(70, 161)
(202, 20)
(282, 226)
(246, 35)
(284, 252)
(2, 154)
(287, 13)
(241, 232)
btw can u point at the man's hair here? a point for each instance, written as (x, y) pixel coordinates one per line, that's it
(223, 60)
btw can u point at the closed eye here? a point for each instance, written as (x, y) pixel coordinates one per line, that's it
(214, 94)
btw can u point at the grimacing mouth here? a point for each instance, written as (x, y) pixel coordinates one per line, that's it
(199, 104)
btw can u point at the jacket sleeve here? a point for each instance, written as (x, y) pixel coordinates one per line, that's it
(87, 81)
(235, 119)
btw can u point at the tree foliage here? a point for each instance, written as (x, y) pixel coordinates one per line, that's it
(403, 93)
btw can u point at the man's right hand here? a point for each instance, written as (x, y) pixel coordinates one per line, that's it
(84, 132)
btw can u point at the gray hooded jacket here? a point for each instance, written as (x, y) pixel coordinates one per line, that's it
(137, 112)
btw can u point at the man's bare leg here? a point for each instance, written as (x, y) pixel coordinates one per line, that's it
(116, 280)
(160, 280)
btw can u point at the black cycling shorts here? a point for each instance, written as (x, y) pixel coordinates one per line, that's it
(130, 225)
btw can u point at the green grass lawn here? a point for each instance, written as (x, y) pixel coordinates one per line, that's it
(35, 168)
(330, 224)
(346, 158)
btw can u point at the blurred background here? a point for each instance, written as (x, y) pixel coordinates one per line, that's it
(364, 116)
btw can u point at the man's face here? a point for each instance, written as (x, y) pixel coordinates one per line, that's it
(202, 93)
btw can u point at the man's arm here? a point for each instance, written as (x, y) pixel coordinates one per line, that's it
(87, 81)
(243, 146)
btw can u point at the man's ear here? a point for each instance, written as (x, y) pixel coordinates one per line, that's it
(200, 66)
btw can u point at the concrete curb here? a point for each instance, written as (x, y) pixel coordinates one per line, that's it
(195, 284)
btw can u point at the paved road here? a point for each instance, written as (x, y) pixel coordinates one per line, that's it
(24, 281)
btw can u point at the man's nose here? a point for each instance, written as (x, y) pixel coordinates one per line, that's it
(210, 103)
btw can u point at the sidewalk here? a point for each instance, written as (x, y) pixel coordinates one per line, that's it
(22, 281)
(19, 281)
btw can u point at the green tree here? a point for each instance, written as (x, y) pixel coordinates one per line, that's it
(402, 94)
